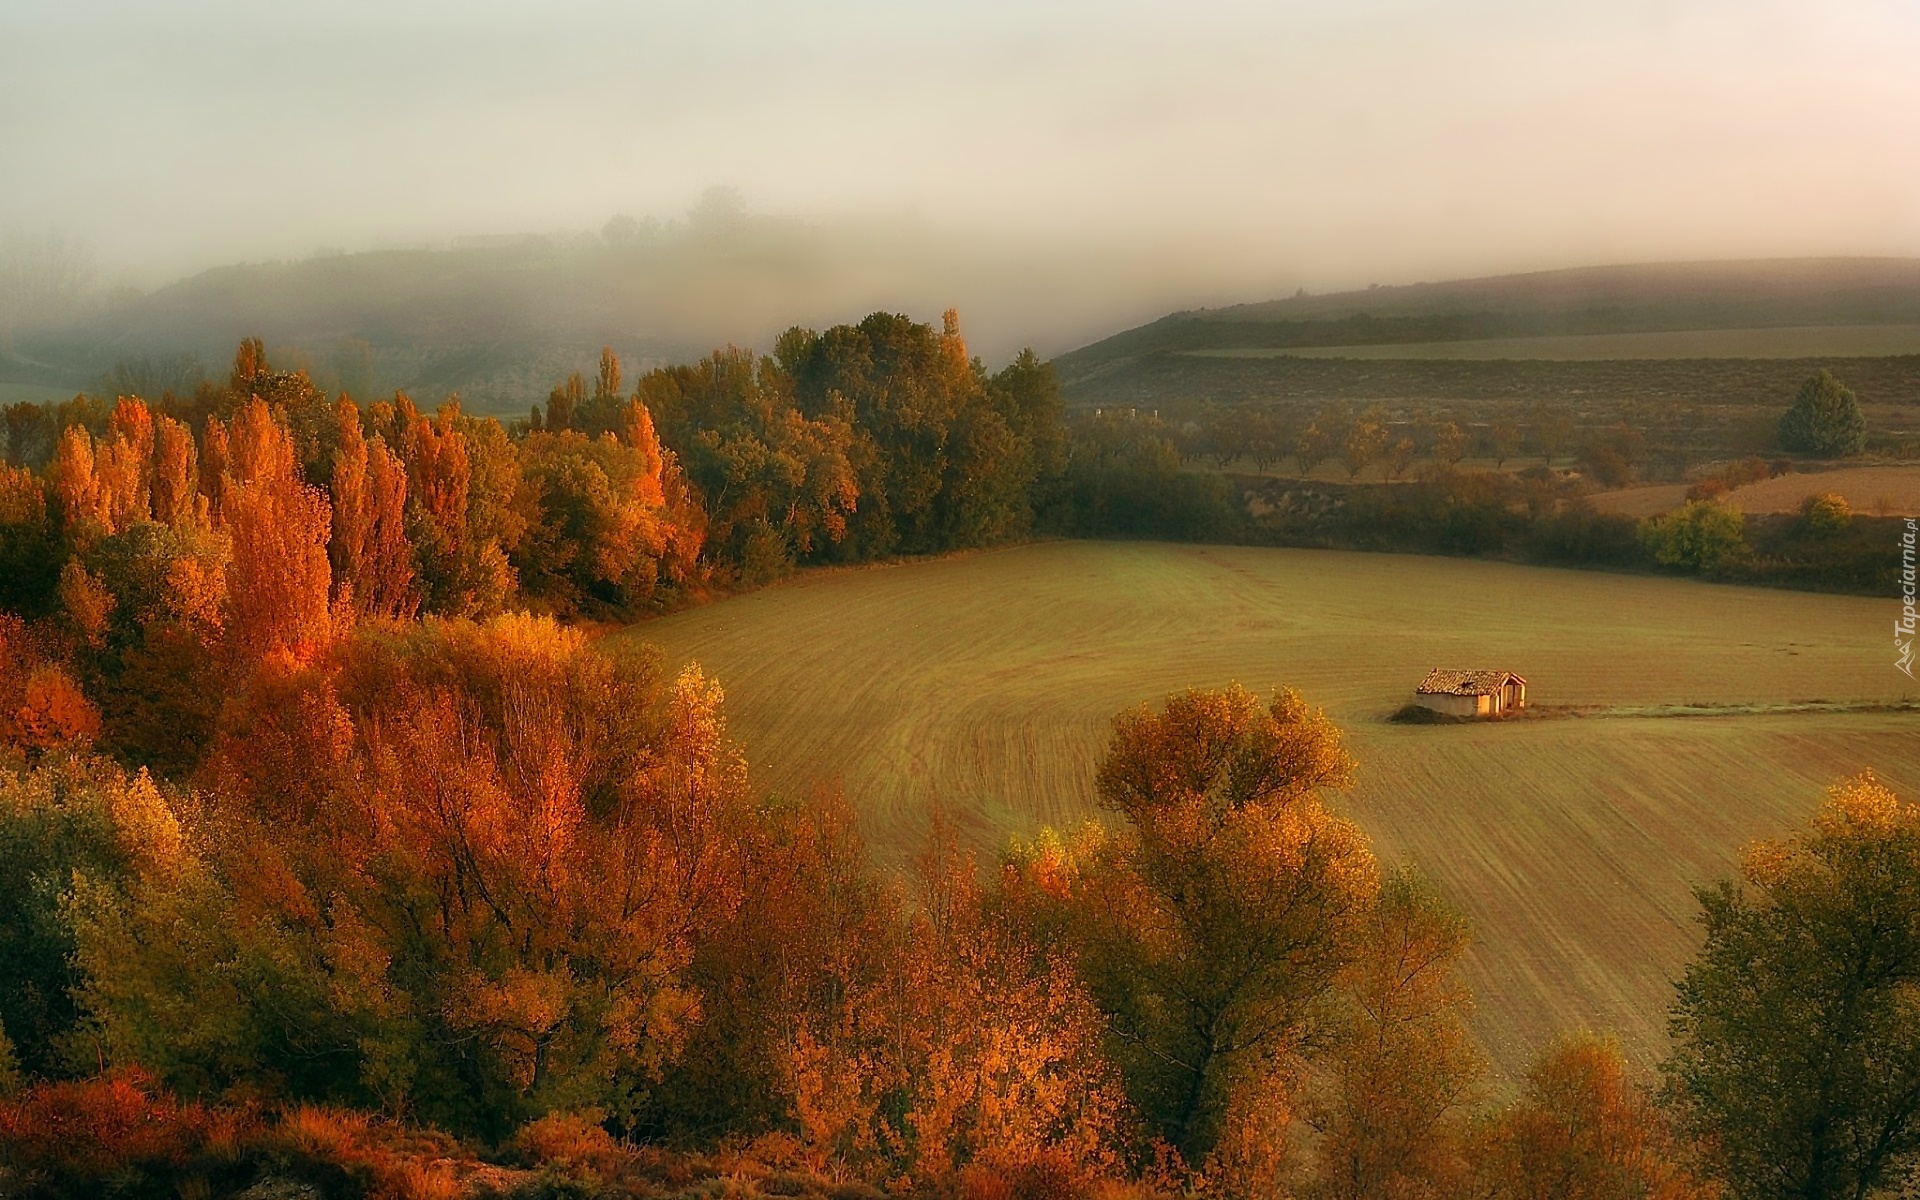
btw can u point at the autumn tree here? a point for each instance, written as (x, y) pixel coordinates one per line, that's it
(604, 536)
(84, 510)
(816, 926)
(971, 1051)
(1313, 447)
(1582, 1130)
(1365, 442)
(1797, 1027)
(1226, 913)
(42, 707)
(464, 514)
(473, 862)
(779, 487)
(30, 561)
(373, 566)
(1268, 436)
(143, 592)
(175, 487)
(280, 581)
(1394, 1078)
(1825, 514)
(151, 609)
(1399, 457)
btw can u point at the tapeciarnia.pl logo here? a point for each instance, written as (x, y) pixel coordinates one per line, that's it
(1904, 626)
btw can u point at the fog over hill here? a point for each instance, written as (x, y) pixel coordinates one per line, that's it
(500, 319)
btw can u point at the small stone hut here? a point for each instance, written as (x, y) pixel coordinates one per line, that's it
(1471, 693)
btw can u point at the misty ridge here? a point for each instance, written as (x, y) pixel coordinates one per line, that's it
(498, 318)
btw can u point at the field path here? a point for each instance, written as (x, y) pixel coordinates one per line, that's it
(989, 682)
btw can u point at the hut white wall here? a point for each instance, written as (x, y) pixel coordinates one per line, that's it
(1453, 706)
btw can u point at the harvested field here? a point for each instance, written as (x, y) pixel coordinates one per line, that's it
(1864, 487)
(987, 682)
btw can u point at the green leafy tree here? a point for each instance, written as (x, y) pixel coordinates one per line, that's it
(1703, 536)
(1825, 419)
(1797, 1028)
(65, 821)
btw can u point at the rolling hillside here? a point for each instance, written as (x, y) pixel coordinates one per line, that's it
(1551, 333)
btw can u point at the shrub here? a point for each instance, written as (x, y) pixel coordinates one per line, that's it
(1703, 536)
(60, 1139)
(1711, 488)
(1826, 513)
(570, 1140)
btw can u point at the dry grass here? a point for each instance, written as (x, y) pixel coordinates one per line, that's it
(1864, 487)
(988, 683)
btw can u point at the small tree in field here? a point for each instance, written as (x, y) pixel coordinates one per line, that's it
(1797, 1029)
(1312, 448)
(1399, 457)
(1825, 419)
(1365, 442)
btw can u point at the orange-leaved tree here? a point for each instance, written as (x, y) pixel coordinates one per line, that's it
(476, 859)
(1582, 1130)
(1214, 926)
(373, 573)
(972, 1051)
(280, 582)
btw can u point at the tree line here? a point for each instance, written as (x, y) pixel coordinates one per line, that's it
(160, 552)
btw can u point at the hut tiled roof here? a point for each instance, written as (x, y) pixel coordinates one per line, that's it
(1440, 682)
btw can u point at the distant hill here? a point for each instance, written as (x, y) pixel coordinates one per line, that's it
(501, 319)
(1440, 321)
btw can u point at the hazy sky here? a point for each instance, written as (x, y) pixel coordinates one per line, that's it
(1326, 142)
